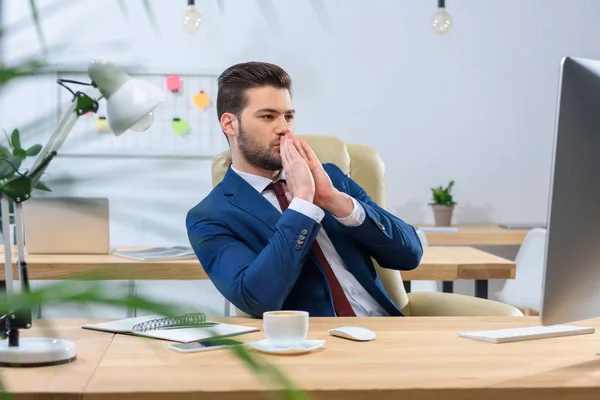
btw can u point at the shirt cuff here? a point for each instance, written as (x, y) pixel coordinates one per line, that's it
(356, 217)
(307, 208)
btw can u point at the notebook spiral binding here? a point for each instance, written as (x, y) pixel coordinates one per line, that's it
(184, 320)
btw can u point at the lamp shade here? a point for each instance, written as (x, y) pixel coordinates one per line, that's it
(129, 101)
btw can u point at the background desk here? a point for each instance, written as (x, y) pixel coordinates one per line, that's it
(413, 358)
(477, 235)
(439, 263)
(450, 263)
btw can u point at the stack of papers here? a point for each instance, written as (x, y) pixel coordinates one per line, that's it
(158, 253)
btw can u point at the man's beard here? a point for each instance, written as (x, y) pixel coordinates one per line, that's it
(258, 155)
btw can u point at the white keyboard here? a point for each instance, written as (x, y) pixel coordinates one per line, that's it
(527, 333)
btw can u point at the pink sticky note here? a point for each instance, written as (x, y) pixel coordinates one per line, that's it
(173, 83)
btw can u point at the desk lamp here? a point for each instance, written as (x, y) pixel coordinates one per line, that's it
(130, 103)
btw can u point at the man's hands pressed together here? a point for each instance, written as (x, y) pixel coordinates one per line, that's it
(300, 181)
(297, 158)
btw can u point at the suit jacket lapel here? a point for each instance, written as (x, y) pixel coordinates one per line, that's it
(246, 198)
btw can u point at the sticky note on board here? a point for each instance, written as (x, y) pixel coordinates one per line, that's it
(201, 100)
(174, 83)
(101, 124)
(179, 126)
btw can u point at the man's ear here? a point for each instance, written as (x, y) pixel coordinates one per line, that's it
(229, 124)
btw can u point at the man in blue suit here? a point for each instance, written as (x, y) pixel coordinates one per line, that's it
(283, 231)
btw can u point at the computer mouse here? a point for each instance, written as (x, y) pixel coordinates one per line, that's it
(353, 333)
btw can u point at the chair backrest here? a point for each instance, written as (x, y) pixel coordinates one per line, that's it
(525, 291)
(364, 166)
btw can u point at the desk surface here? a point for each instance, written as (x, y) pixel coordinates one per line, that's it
(438, 263)
(412, 358)
(65, 381)
(478, 235)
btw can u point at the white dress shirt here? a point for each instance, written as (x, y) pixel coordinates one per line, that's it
(361, 301)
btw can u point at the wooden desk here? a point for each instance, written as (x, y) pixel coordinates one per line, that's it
(478, 235)
(438, 263)
(413, 358)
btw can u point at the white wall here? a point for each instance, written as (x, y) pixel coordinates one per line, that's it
(476, 105)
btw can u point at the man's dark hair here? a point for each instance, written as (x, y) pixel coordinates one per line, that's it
(238, 78)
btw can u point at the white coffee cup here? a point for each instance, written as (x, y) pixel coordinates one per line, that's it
(285, 328)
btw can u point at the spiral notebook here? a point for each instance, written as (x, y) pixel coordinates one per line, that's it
(187, 328)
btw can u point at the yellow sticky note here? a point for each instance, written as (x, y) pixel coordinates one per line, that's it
(101, 124)
(201, 100)
(180, 126)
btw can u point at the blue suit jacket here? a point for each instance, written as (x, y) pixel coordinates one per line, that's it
(251, 251)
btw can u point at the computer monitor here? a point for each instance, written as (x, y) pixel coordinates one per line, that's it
(571, 277)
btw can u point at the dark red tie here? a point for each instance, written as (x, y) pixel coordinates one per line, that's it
(340, 301)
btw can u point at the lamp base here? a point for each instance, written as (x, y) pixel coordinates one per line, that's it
(37, 352)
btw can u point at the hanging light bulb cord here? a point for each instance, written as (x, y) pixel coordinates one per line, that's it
(191, 2)
(62, 82)
(441, 3)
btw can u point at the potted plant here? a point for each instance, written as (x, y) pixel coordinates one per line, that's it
(443, 205)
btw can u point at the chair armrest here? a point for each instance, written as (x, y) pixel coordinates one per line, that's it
(451, 304)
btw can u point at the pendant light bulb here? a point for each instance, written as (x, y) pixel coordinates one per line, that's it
(192, 19)
(442, 21)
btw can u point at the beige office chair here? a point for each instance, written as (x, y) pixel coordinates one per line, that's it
(364, 166)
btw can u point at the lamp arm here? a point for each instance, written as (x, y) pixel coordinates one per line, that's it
(82, 104)
(53, 144)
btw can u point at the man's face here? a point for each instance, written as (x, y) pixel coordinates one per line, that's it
(268, 116)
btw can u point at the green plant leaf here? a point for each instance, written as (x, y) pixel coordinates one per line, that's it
(27, 68)
(4, 151)
(20, 153)
(15, 139)
(42, 186)
(34, 150)
(9, 166)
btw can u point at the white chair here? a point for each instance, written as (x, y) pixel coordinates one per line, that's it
(424, 286)
(525, 291)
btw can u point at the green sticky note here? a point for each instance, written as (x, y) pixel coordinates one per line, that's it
(180, 126)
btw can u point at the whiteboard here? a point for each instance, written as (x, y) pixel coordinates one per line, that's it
(165, 137)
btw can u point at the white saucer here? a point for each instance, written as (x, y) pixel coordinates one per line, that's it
(303, 347)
